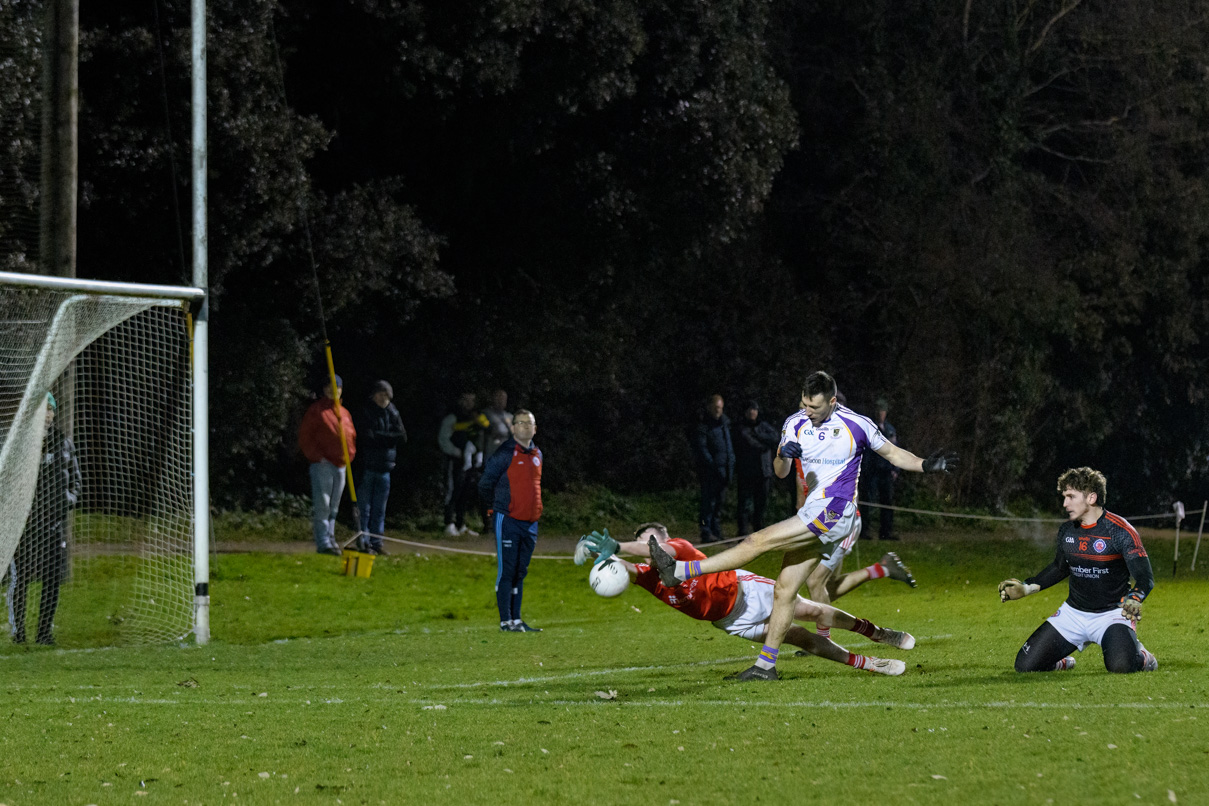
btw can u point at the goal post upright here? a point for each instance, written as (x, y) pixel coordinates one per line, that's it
(201, 405)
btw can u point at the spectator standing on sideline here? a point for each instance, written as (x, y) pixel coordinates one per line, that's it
(754, 441)
(499, 420)
(715, 458)
(882, 475)
(512, 486)
(319, 438)
(461, 439)
(42, 552)
(381, 429)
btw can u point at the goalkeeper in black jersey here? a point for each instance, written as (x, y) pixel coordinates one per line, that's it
(1101, 553)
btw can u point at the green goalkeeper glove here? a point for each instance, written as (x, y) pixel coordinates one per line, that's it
(602, 546)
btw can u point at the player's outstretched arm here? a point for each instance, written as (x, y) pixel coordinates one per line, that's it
(938, 462)
(635, 547)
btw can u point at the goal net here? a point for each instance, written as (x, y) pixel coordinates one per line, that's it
(96, 462)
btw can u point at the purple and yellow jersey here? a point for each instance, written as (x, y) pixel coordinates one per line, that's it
(833, 450)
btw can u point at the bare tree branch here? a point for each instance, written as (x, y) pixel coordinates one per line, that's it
(1053, 20)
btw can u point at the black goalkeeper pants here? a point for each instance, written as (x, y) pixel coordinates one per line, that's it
(22, 573)
(1046, 646)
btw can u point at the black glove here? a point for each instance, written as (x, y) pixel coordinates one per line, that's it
(940, 462)
(791, 450)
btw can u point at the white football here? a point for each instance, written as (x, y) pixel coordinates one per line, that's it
(609, 578)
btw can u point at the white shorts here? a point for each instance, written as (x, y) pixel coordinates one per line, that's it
(836, 528)
(752, 610)
(1082, 628)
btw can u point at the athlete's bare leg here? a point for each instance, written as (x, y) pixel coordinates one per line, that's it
(813, 644)
(819, 583)
(837, 587)
(807, 641)
(794, 569)
(786, 535)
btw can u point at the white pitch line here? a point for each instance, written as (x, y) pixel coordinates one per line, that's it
(917, 706)
(521, 681)
(428, 704)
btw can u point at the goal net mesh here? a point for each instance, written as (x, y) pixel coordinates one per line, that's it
(96, 514)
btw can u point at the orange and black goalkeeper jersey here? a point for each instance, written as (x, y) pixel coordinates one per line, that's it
(1100, 560)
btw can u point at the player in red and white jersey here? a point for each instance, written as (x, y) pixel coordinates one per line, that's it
(1100, 552)
(740, 603)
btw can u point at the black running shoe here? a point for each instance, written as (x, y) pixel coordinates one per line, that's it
(665, 563)
(897, 569)
(754, 673)
(523, 627)
(508, 628)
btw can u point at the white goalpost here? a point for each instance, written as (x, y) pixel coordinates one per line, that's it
(104, 500)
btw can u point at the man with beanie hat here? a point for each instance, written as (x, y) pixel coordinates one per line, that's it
(381, 431)
(319, 439)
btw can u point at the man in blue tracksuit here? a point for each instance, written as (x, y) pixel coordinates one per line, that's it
(511, 486)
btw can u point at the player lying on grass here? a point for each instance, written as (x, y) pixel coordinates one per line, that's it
(829, 439)
(1099, 551)
(740, 603)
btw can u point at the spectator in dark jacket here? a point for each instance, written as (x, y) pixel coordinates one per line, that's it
(42, 551)
(380, 431)
(882, 475)
(754, 441)
(715, 458)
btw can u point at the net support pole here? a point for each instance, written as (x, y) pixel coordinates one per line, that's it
(201, 352)
(1199, 532)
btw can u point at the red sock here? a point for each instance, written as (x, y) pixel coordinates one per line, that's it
(865, 627)
(876, 571)
(856, 661)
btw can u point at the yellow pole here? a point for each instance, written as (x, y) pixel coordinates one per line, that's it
(348, 469)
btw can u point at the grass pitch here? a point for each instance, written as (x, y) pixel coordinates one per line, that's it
(400, 689)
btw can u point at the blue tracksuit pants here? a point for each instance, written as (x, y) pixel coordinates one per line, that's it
(514, 544)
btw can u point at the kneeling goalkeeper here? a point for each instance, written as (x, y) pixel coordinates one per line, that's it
(1100, 552)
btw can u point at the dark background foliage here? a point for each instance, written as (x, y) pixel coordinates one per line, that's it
(995, 215)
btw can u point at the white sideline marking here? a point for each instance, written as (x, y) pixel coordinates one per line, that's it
(918, 706)
(597, 703)
(520, 681)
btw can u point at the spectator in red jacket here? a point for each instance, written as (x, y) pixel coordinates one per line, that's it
(512, 487)
(319, 438)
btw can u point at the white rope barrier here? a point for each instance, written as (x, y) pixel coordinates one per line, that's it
(869, 504)
(873, 505)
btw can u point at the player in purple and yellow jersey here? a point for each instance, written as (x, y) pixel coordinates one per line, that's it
(829, 439)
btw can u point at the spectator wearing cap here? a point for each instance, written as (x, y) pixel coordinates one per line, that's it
(319, 439)
(754, 440)
(380, 432)
(882, 475)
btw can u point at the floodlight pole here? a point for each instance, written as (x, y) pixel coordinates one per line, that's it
(201, 322)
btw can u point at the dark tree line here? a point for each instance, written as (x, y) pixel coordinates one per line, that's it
(993, 214)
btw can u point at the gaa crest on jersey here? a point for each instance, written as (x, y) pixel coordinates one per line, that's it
(537, 461)
(835, 432)
(1099, 546)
